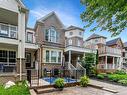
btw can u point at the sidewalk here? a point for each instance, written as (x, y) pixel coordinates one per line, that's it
(121, 89)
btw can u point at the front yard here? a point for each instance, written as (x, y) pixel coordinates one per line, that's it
(20, 88)
(119, 77)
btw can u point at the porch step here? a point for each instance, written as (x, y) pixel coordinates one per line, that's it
(44, 90)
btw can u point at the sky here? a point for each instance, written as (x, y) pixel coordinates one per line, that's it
(69, 13)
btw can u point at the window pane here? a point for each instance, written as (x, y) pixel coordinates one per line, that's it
(47, 35)
(3, 56)
(47, 56)
(53, 56)
(4, 30)
(12, 56)
(29, 37)
(59, 56)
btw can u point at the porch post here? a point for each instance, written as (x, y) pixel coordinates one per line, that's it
(105, 62)
(69, 57)
(113, 63)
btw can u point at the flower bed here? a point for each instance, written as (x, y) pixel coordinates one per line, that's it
(20, 88)
(119, 77)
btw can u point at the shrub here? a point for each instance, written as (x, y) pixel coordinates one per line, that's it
(84, 81)
(120, 72)
(100, 76)
(59, 83)
(17, 89)
(116, 77)
(123, 82)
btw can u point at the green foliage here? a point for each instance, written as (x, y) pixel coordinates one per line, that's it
(84, 81)
(120, 72)
(123, 82)
(88, 62)
(116, 77)
(18, 89)
(101, 76)
(59, 83)
(109, 15)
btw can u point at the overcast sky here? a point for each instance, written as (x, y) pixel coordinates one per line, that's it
(67, 10)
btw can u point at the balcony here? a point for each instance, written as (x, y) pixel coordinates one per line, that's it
(109, 51)
(8, 31)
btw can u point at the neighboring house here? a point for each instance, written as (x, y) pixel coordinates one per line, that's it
(125, 56)
(110, 52)
(74, 48)
(13, 21)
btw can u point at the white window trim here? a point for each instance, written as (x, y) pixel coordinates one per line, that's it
(9, 32)
(56, 56)
(49, 36)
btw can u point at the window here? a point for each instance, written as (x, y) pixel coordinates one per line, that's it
(78, 42)
(12, 56)
(4, 30)
(29, 37)
(71, 33)
(53, 56)
(70, 41)
(80, 33)
(47, 55)
(96, 40)
(59, 56)
(51, 35)
(13, 31)
(3, 56)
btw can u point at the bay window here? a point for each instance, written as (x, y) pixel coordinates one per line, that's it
(59, 56)
(47, 55)
(51, 35)
(53, 56)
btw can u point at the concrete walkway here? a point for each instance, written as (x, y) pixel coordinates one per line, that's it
(89, 90)
(122, 90)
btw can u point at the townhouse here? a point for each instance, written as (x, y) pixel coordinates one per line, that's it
(110, 52)
(15, 41)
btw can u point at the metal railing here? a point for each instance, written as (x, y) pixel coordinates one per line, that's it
(80, 67)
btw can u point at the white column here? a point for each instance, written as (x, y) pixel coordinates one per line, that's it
(105, 62)
(69, 57)
(113, 63)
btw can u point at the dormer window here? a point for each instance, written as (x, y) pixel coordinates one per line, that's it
(51, 35)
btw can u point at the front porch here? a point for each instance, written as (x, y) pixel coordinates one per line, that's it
(109, 63)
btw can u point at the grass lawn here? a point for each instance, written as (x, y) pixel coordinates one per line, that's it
(18, 89)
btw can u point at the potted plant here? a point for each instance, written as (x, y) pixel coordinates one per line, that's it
(84, 81)
(59, 84)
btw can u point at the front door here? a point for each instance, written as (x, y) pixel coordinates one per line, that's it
(28, 60)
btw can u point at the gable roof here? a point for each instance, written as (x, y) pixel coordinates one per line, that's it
(125, 44)
(21, 4)
(112, 42)
(49, 15)
(93, 36)
(73, 28)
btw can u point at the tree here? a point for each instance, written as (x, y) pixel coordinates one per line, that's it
(88, 62)
(110, 15)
